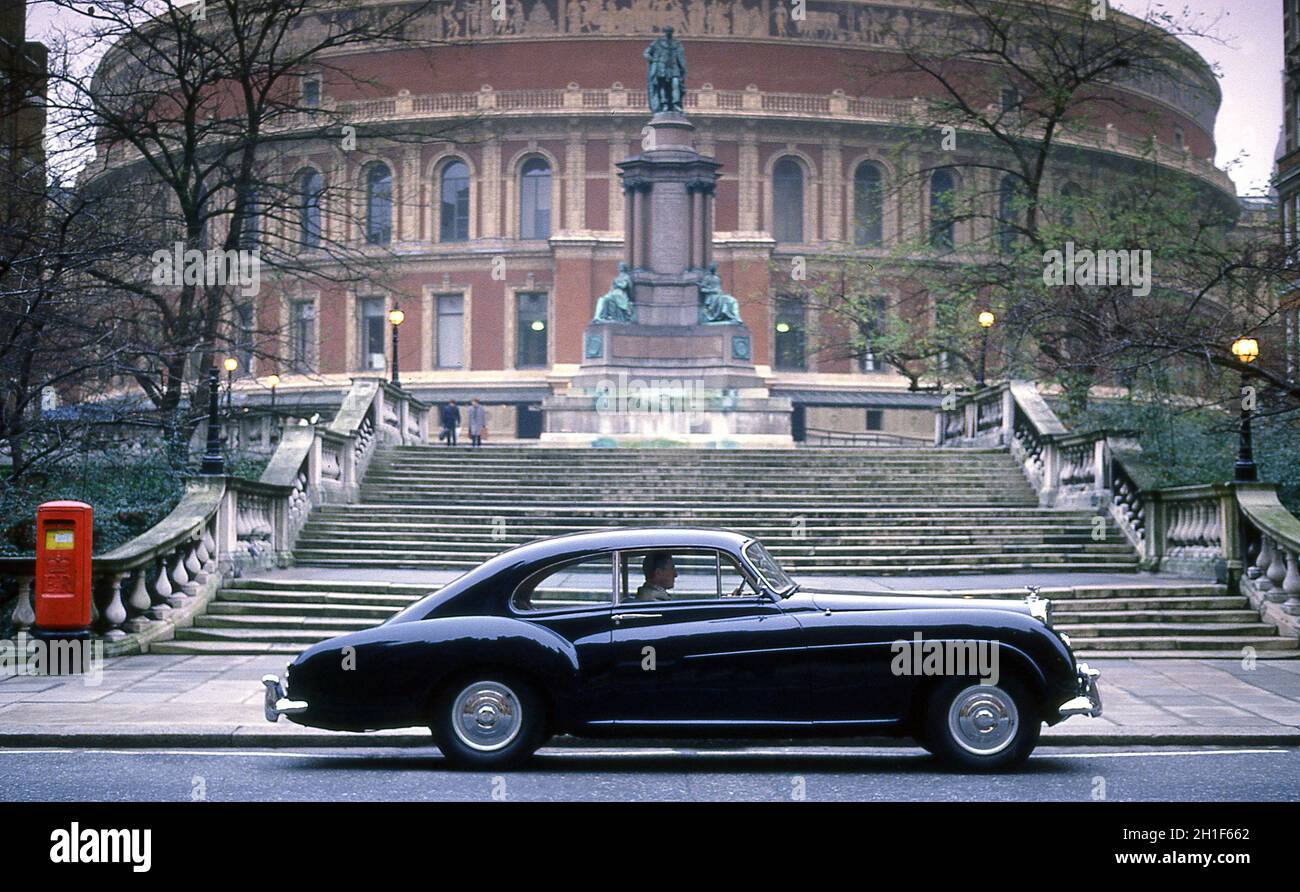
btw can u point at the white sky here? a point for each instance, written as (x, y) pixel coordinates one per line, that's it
(1249, 61)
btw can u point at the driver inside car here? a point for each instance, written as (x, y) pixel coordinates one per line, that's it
(660, 576)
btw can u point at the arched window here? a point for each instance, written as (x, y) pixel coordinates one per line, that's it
(942, 201)
(787, 201)
(868, 206)
(1070, 194)
(454, 215)
(1008, 213)
(535, 199)
(379, 204)
(310, 187)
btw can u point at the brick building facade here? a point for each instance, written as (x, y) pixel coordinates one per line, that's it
(499, 241)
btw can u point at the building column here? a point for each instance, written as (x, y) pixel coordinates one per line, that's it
(617, 202)
(832, 192)
(748, 182)
(575, 181)
(409, 211)
(489, 211)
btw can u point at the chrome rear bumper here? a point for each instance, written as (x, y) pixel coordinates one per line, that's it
(1088, 702)
(277, 703)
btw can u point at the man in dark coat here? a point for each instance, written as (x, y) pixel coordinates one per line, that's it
(450, 421)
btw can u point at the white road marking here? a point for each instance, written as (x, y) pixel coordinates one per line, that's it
(579, 752)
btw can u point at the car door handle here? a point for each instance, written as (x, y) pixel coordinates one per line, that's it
(619, 617)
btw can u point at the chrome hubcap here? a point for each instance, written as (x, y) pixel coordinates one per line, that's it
(983, 719)
(486, 716)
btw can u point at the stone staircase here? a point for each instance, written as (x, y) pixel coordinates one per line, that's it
(840, 511)
(830, 513)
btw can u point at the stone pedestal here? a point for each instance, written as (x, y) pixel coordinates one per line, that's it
(668, 349)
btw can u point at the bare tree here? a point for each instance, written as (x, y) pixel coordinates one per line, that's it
(202, 119)
(1015, 91)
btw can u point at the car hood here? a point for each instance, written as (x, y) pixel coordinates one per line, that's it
(891, 601)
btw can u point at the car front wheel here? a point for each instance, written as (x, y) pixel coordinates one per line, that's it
(489, 721)
(981, 727)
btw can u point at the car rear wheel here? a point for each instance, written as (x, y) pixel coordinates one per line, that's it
(981, 727)
(489, 721)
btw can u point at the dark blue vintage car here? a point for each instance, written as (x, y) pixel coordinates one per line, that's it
(689, 633)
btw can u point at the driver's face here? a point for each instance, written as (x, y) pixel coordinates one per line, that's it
(666, 575)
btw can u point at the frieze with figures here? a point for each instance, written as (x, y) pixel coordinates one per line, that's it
(823, 20)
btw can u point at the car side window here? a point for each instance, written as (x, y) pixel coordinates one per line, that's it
(680, 575)
(587, 582)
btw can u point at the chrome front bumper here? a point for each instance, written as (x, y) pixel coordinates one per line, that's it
(1089, 700)
(277, 703)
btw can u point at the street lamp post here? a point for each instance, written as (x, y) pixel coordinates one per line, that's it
(986, 320)
(273, 381)
(396, 317)
(213, 462)
(231, 364)
(1247, 351)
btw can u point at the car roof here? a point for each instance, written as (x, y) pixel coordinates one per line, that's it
(511, 566)
(629, 537)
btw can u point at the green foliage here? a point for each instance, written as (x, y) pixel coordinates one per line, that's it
(249, 467)
(129, 492)
(1199, 445)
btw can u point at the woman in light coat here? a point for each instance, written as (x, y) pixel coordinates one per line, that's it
(477, 422)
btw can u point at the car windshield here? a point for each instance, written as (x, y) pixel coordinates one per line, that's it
(768, 568)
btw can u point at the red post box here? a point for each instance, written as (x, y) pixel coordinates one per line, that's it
(63, 583)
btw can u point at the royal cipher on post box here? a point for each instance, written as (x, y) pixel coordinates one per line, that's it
(63, 583)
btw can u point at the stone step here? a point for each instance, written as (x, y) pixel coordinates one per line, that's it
(300, 637)
(1103, 601)
(779, 547)
(975, 565)
(1064, 617)
(331, 624)
(1104, 645)
(920, 453)
(238, 597)
(212, 647)
(658, 484)
(295, 611)
(789, 547)
(697, 500)
(1190, 654)
(651, 510)
(372, 587)
(815, 537)
(1091, 631)
(841, 477)
(739, 470)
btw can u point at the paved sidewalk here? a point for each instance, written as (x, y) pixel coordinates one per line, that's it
(159, 700)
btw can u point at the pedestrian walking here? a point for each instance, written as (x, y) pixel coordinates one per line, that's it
(477, 422)
(450, 421)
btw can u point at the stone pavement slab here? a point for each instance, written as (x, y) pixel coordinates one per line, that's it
(182, 700)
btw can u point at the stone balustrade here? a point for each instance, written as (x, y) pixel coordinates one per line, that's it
(487, 103)
(224, 525)
(1239, 533)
